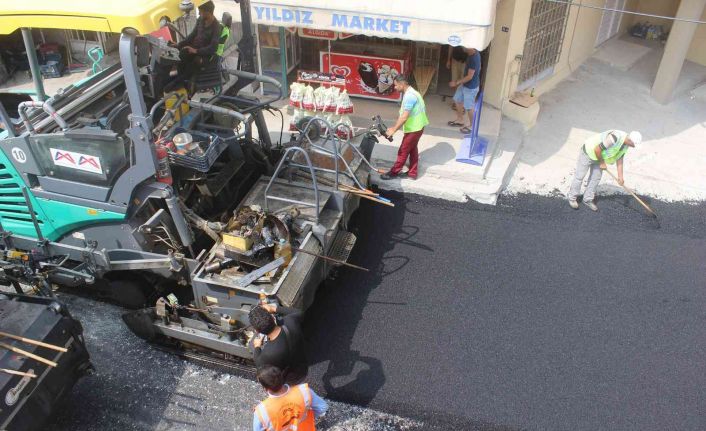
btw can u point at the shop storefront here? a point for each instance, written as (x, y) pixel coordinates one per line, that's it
(362, 50)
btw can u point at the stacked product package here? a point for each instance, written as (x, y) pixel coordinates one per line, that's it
(328, 103)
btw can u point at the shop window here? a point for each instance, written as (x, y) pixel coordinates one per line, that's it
(275, 60)
(270, 58)
(426, 62)
(545, 36)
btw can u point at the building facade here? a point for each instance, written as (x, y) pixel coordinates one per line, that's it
(538, 43)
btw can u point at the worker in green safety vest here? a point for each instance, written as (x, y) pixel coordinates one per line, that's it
(225, 34)
(412, 120)
(596, 153)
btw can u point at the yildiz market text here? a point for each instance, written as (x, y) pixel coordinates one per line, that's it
(343, 21)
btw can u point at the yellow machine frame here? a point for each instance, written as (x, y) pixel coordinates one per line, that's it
(96, 15)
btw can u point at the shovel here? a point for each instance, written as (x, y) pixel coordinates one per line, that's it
(647, 207)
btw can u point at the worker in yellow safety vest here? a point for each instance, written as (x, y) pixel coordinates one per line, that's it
(596, 153)
(286, 408)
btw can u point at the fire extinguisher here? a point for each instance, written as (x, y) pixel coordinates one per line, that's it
(164, 172)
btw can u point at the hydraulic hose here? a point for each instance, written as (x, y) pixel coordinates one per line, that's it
(210, 228)
(46, 107)
(217, 110)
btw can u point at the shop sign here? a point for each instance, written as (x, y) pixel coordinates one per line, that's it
(317, 34)
(371, 77)
(348, 22)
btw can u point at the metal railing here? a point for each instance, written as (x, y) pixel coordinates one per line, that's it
(545, 35)
(335, 152)
(285, 161)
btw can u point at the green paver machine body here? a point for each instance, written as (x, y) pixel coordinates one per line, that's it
(80, 196)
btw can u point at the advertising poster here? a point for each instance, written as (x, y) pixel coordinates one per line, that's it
(366, 76)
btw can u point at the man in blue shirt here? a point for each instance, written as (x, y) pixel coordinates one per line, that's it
(467, 90)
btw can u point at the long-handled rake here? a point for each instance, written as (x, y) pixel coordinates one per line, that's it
(647, 207)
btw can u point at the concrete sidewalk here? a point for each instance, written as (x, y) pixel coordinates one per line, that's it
(440, 175)
(605, 93)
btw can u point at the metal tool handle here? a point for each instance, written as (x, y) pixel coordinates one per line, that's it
(647, 207)
(217, 110)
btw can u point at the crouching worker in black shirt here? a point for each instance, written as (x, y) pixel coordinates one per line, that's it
(281, 343)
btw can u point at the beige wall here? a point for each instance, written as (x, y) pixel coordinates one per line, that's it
(502, 66)
(628, 19)
(656, 7)
(697, 50)
(579, 41)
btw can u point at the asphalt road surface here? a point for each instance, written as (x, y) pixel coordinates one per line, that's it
(528, 315)
(137, 387)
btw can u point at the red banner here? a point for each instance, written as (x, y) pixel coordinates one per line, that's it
(370, 77)
(317, 34)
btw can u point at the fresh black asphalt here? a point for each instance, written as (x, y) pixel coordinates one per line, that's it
(527, 315)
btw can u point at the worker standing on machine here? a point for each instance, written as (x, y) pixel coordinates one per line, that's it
(281, 341)
(286, 408)
(200, 46)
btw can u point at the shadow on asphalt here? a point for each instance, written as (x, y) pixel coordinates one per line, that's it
(531, 335)
(350, 376)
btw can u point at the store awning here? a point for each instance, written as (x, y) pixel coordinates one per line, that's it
(453, 22)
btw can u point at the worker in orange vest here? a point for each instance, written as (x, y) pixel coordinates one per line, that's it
(286, 408)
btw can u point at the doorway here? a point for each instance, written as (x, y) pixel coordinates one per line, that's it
(610, 23)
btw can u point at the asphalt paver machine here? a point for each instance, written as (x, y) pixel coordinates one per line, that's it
(175, 204)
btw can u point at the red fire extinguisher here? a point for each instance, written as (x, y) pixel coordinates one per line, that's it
(164, 172)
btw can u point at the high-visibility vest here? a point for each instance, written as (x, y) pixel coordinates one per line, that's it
(611, 154)
(289, 412)
(225, 34)
(417, 119)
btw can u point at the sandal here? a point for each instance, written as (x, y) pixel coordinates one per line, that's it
(454, 123)
(465, 130)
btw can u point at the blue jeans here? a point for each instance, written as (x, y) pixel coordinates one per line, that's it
(466, 96)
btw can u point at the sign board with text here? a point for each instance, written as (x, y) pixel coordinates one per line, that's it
(317, 34)
(404, 20)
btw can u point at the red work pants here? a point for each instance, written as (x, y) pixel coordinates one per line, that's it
(408, 148)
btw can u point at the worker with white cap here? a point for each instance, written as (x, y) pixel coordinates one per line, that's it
(596, 153)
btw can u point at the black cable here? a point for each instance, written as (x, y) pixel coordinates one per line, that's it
(270, 109)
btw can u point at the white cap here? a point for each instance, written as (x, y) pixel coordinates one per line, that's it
(635, 137)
